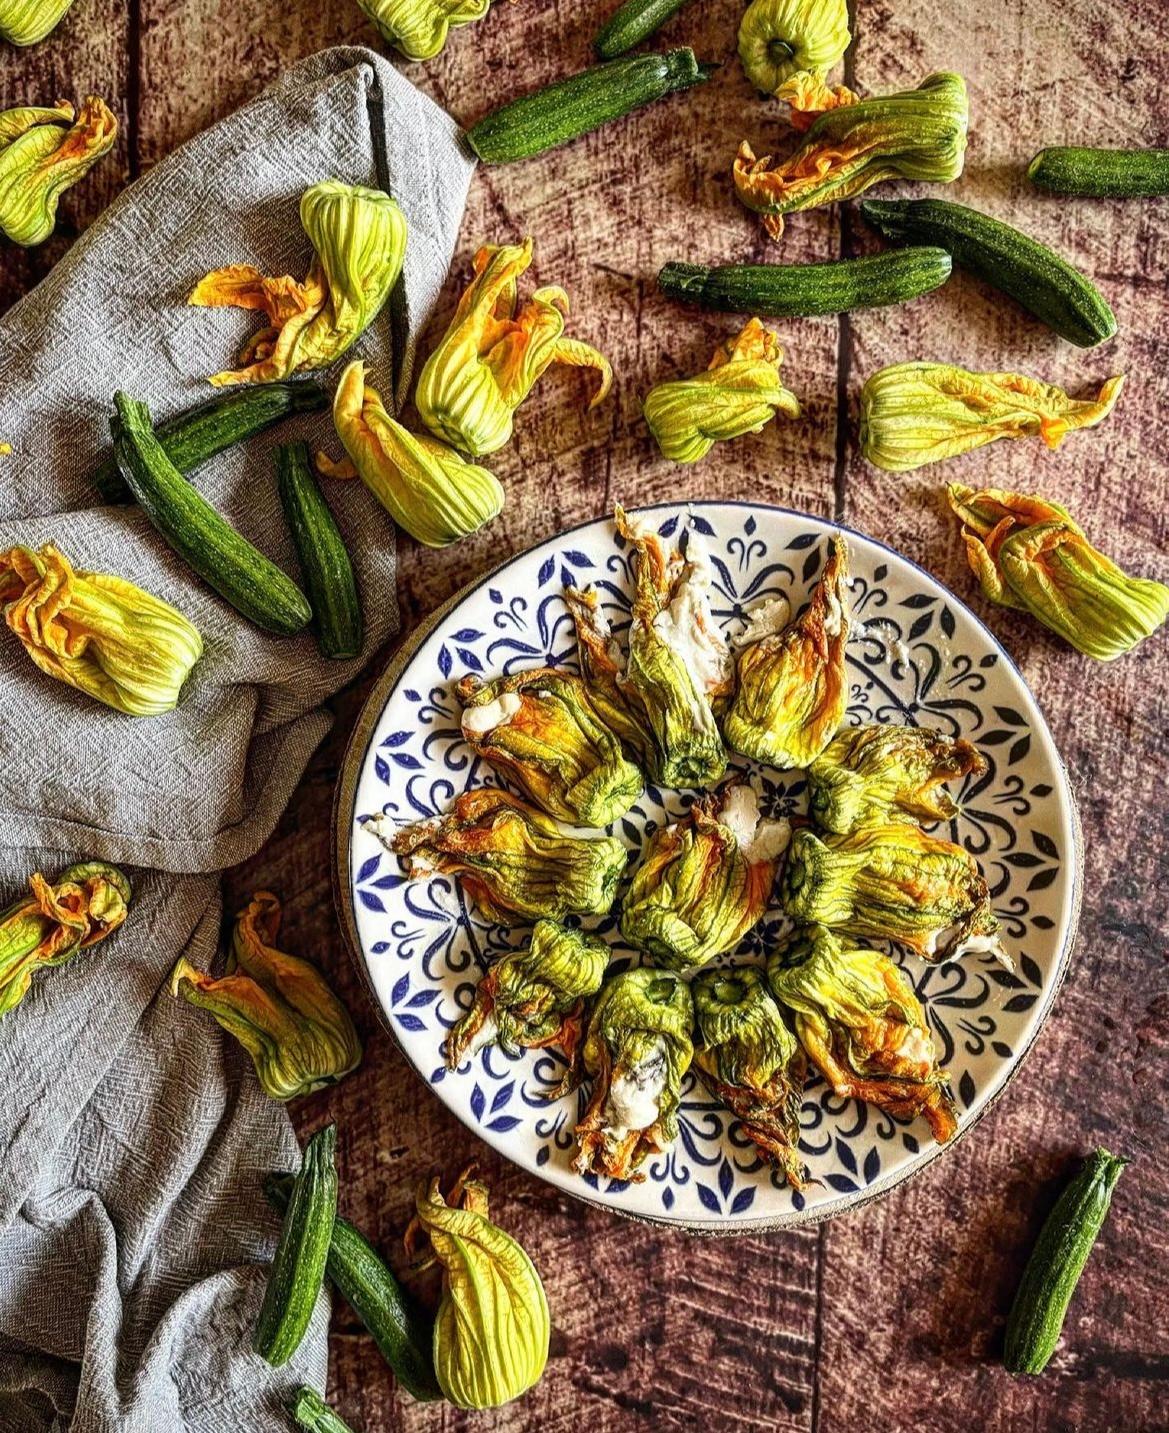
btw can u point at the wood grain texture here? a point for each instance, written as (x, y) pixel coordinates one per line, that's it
(891, 1318)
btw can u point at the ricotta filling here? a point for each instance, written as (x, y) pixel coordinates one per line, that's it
(383, 829)
(917, 1045)
(971, 945)
(687, 627)
(487, 716)
(765, 619)
(634, 1101)
(758, 837)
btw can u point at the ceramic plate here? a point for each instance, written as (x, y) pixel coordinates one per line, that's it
(916, 654)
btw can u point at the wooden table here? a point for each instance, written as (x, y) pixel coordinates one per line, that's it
(891, 1318)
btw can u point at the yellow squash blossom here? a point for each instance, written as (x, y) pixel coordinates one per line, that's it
(1029, 553)
(27, 22)
(418, 28)
(602, 664)
(494, 351)
(740, 392)
(778, 38)
(98, 633)
(359, 241)
(42, 152)
(918, 413)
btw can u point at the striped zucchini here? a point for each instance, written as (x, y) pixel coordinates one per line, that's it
(1102, 173)
(632, 22)
(324, 559)
(314, 1415)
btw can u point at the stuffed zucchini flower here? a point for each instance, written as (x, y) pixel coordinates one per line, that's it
(792, 689)
(98, 633)
(860, 1020)
(892, 882)
(534, 997)
(1030, 554)
(514, 863)
(918, 413)
(53, 922)
(879, 773)
(704, 881)
(916, 134)
(750, 1060)
(359, 242)
(603, 663)
(418, 28)
(637, 1050)
(429, 490)
(27, 22)
(778, 38)
(740, 392)
(494, 351)
(540, 730)
(43, 151)
(278, 1006)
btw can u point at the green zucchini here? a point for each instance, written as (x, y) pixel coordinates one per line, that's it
(199, 433)
(797, 290)
(564, 111)
(632, 22)
(324, 559)
(401, 1328)
(314, 1415)
(1004, 257)
(1102, 173)
(222, 557)
(1056, 1263)
(298, 1268)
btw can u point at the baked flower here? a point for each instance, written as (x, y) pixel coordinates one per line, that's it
(43, 151)
(864, 1029)
(514, 863)
(740, 392)
(418, 28)
(540, 730)
(637, 1049)
(892, 882)
(602, 663)
(494, 351)
(359, 242)
(1028, 553)
(704, 881)
(98, 633)
(279, 1007)
(777, 38)
(53, 922)
(751, 1061)
(915, 134)
(918, 413)
(870, 774)
(792, 691)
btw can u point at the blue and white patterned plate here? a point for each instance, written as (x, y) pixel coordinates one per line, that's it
(916, 654)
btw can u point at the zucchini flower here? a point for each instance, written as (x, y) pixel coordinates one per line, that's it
(492, 1328)
(916, 134)
(808, 97)
(278, 1006)
(359, 241)
(534, 997)
(860, 1020)
(602, 663)
(739, 393)
(878, 773)
(98, 633)
(494, 351)
(892, 882)
(637, 1049)
(778, 38)
(1029, 553)
(43, 151)
(704, 881)
(27, 22)
(429, 490)
(751, 1061)
(918, 413)
(793, 692)
(418, 29)
(514, 863)
(52, 923)
(540, 729)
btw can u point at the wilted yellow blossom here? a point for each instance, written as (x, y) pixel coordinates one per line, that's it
(359, 241)
(98, 633)
(602, 663)
(27, 22)
(918, 413)
(494, 351)
(778, 38)
(42, 152)
(1029, 553)
(418, 28)
(740, 392)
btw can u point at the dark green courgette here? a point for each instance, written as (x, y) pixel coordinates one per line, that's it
(1102, 173)
(1056, 1263)
(572, 107)
(631, 23)
(1011, 261)
(298, 1268)
(222, 557)
(402, 1330)
(314, 1415)
(199, 433)
(324, 559)
(797, 290)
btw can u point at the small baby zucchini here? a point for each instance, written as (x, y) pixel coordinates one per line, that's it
(314, 1415)
(1102, 173)
(1056, 1263)
(324, 559)
(631, 23)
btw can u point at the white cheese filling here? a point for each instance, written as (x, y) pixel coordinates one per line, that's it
(383, 829)
(972, 945)
(688, 628)
(487, 716)
(759, 838)
(765, 619)
(917, 1045)
(635, 1097)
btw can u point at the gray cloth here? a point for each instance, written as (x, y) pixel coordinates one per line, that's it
(132, 1132)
